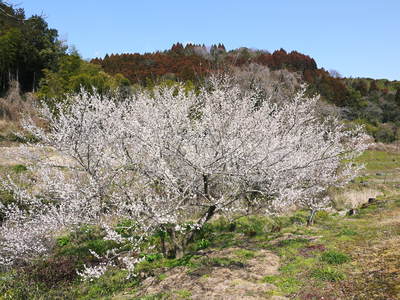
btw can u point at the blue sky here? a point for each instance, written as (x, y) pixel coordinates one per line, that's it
(359, 38)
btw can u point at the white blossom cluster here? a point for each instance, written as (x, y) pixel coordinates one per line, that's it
(92, 272)
(107, 261)
(169, 156)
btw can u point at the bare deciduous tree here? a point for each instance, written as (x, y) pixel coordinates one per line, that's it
(277, 86)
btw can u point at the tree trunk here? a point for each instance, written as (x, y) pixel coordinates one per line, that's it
(311, 218)
(163, 247)
(33, 82)
(178, 248)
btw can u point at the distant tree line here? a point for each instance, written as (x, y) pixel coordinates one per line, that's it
(194, 62)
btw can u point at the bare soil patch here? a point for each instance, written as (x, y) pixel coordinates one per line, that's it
(236, 281)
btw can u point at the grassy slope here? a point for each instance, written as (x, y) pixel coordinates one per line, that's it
(341, 257)
(354, 257)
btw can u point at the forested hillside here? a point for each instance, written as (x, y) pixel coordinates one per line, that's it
(36, 64)
(375, 103)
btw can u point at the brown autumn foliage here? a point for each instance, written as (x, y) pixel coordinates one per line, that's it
(194, 62)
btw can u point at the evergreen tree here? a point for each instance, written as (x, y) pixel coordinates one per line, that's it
(27, 46)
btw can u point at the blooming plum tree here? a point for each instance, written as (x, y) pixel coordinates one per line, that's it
(171, 159)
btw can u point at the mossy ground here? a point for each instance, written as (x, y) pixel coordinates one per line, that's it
(340, 257)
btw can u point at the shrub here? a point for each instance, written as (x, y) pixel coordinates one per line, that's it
(53, 271)
(253, 225)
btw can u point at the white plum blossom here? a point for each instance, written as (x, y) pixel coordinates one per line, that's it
(168, 157)
(91, 272)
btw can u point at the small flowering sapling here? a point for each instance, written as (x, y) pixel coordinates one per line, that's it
(171, 159)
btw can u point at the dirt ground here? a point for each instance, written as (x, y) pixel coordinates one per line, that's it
(241, 281)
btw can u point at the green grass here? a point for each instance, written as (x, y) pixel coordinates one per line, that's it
(160, 263)
(13, 171)
(296, 264)
(222, 262)
(152, 297)
(245, 254)
(334, 257)
(159, 296)
(19, 168)
(161, 276)
(202, 244)
(379, 161)
(79, 242)
(285, 284)
(328, 274)
(21, 286)
(183, 294)
(347, 232)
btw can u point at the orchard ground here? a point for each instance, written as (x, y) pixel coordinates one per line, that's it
(254, 257)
